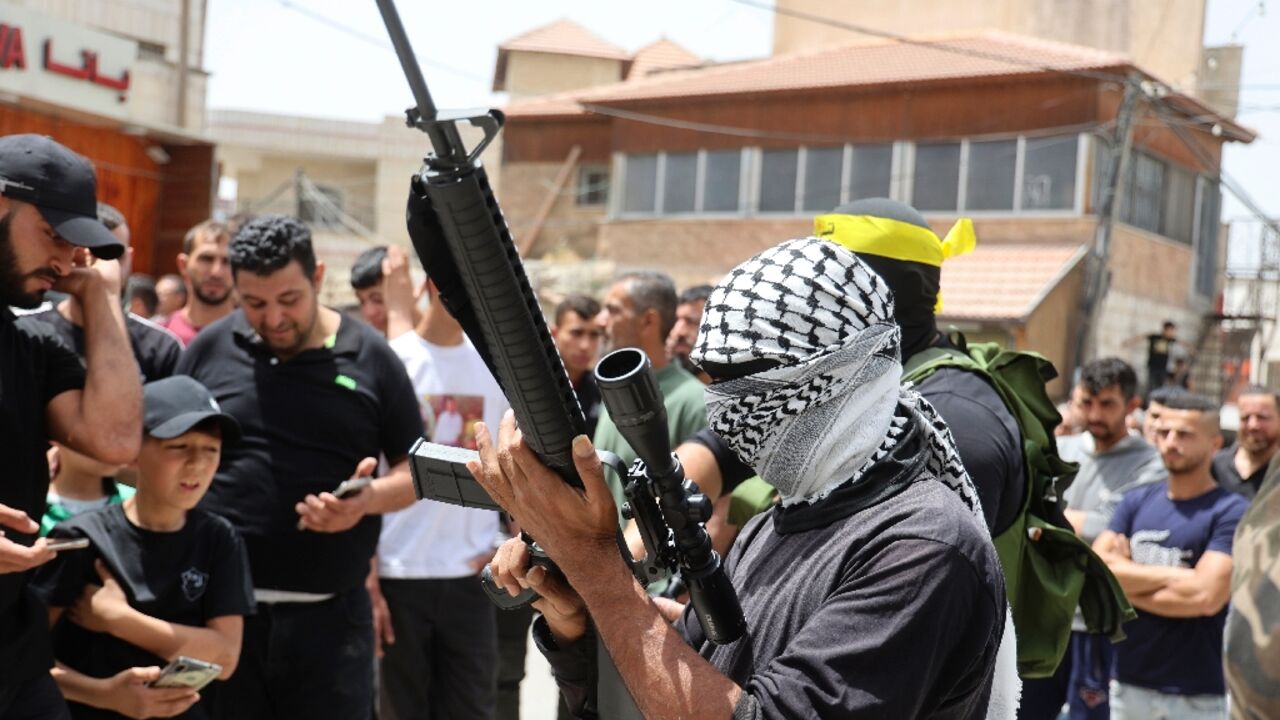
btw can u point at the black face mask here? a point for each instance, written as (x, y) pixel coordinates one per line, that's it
(915, 292)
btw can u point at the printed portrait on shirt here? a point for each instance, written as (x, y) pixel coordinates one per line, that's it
(451, 419)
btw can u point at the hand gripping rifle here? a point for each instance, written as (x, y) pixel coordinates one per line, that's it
(459, 233)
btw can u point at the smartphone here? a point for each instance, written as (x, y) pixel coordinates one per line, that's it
(351, 487)
(186, 672)
(60, 544)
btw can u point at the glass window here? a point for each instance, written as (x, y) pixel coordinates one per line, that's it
(721, 181)
(1049, 173)
(641, 184)
(936, 181)
(872, 171)
(822, 178)
(679, 182)
(778, 172)
(1145, 192)
(992, 166)
(593, 185)
(1179, 205)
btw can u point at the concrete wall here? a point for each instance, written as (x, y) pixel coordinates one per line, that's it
(154, 81)
(570, 230)
(1163, 37)
(1052, 328)
(534, 73)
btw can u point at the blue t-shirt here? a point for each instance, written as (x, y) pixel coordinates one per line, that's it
(1179, 656)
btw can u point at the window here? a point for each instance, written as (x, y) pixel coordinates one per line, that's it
(937, 177)
(680, 182)
(1179, 205)
(872, 171)
(822, 169)
(1206, 245)
(1145, 192)
(640, 185)
(593, 185)
(992, 167)
(1049, 173)
(778, 173)
(721, 180)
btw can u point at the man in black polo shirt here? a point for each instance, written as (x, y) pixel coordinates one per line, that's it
(1241, 467)
(155, 348)
(47, 209)
(318, 398)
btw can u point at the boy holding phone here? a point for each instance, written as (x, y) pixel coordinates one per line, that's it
(161, 579)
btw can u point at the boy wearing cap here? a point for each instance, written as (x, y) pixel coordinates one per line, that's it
(160, 580)
(48, 207)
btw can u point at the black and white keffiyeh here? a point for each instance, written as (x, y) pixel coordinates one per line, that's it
(821, 409)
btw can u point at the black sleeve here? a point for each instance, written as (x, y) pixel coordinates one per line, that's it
(165, 362)
(732, 470)
(574, 668)
(401, 417)
(63, 369)
(912, 630)
(59, 582)
(988, 440)
(230, 587)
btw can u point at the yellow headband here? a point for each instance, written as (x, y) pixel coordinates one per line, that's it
(895, 239)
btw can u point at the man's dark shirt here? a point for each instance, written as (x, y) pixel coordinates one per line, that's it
(155, 348)
(188, 576)
(35, 367)
(1224, 471)
(896, 610)
(307, 423)
(987, 437)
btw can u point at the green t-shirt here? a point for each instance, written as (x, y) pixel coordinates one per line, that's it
(56, 510)
(682, 394)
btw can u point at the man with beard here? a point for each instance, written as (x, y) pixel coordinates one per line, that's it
(1241, 467)
(318, 399)
(577, 337)
(1112, 461)
(204, 265)
(872, 590)
(1169, 545)
(155, 348)
(47, 210)
(689, 308)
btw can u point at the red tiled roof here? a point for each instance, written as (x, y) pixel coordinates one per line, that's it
(866, 62)
(1004, 282)
(565, 37)
(660, 55)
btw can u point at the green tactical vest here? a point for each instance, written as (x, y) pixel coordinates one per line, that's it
(1048, 569)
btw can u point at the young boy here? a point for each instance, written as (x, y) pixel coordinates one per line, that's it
(160, 579)
(79, 484)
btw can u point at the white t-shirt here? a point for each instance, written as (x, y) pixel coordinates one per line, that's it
(431, 539)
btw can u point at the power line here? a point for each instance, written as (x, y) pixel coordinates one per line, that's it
(375, 41)
(936, 45)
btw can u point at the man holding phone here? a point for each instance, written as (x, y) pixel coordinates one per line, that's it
(319, 398)
(48, 208)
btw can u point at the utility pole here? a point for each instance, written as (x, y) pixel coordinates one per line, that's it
(184, 51)
(1097, 271)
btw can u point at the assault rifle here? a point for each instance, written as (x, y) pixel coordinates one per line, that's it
(459, 234)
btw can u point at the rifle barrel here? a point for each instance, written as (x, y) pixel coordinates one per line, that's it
(443, 139)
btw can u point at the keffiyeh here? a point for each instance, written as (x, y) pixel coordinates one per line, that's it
(815, 328)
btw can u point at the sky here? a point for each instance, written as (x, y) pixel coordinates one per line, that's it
(290, 57)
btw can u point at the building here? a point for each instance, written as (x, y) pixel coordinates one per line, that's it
(1164, 38)
(347, 180)
(699, 168)
(119, 81)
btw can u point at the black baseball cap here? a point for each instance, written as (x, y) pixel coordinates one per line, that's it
(61, 184)
(174, 405)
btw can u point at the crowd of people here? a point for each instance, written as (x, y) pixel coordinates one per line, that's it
(210, 470)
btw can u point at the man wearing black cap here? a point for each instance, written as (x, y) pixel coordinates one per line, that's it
(48, 207)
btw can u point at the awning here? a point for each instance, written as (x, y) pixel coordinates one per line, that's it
(1004, 283)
